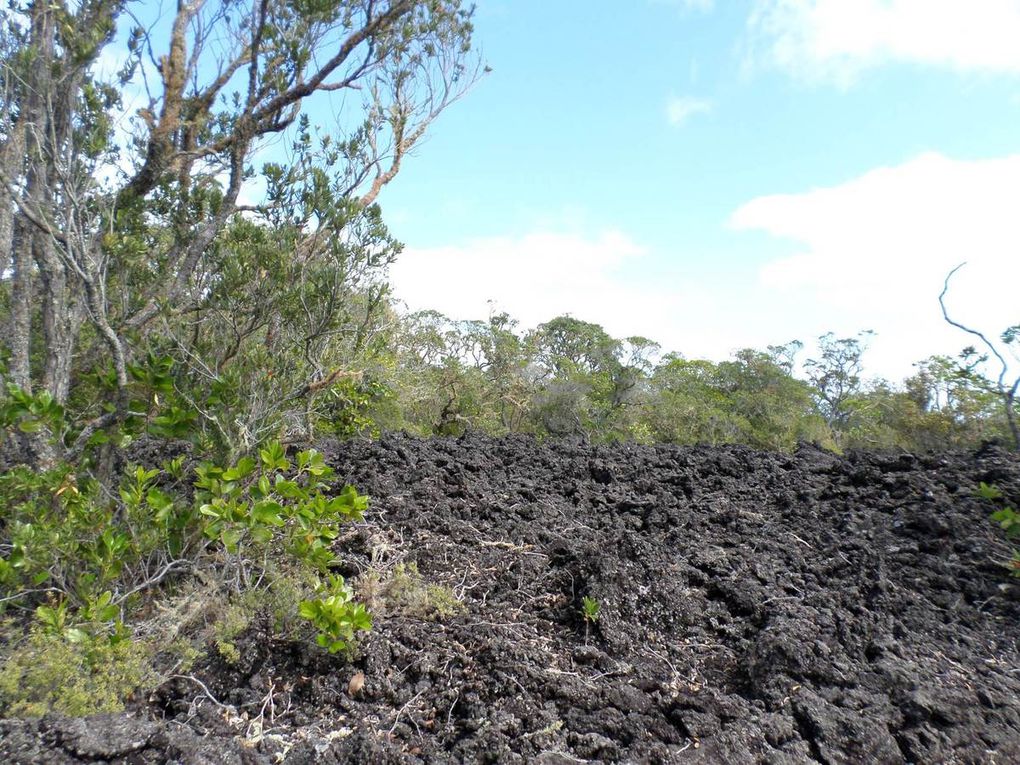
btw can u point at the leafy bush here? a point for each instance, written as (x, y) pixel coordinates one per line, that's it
(334, 614)
(275, 522)
(83, 558)
(62, 536)
(29, 413)
(254, 509)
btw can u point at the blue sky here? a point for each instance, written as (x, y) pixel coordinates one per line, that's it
(728, 174)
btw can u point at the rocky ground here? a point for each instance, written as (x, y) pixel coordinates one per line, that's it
(755, 608)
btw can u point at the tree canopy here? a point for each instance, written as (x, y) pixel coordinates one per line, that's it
(142, 217)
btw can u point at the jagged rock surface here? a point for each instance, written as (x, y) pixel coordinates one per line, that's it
(755, 607)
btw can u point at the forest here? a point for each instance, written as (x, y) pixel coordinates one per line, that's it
(213, 410)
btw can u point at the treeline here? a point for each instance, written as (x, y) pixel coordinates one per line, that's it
(439, 376)
(283, 342)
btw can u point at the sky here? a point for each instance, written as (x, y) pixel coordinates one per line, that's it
(720, 175)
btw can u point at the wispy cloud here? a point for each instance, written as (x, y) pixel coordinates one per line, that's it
(680, 109)
(838, 40)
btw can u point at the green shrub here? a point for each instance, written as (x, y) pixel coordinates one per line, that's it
(274, 522)
(63, 536)
(255, 510)
(49, 673)
(258, 533)
(335, 615)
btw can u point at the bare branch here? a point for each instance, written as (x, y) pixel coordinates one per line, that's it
(1008, 394)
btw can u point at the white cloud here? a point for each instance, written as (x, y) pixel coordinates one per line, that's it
(603, 277)
(874, 252)
(680, 109)
(839, 39)
(534, 277)
(870, 253)
(606, 278)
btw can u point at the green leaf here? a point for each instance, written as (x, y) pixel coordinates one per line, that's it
(988, 491)
(143, 476)
(1009, 520)
(360, 618)
(158, 500)
(274, 457)
(210, 511)
(308, 609)
(337, 646)
(289, 489)
(75, 635)
(230, 539)
(261, 535)
(268, 511)
(244, 468)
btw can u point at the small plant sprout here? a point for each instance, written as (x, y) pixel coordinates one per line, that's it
(1008, 520)
(590, 608)
(988, 491)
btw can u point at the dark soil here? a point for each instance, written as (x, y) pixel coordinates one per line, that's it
(755, 607)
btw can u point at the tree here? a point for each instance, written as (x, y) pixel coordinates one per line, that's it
(575, 361)
(105, 238)
(688, 406)
(274, 338)
(589, 381)
(439, 379)
(505, 358)
(836, 376)
(751, 399)
(1006, 389)
(776, 409)
(943, 404)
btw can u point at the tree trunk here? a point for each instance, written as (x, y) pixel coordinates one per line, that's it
(32, 125)
(12, 159)
(19, 333)
(61, 320)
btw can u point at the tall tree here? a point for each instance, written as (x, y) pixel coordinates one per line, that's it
(589, 379)
(836, 376)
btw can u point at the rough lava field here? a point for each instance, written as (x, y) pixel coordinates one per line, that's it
(755, 608)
